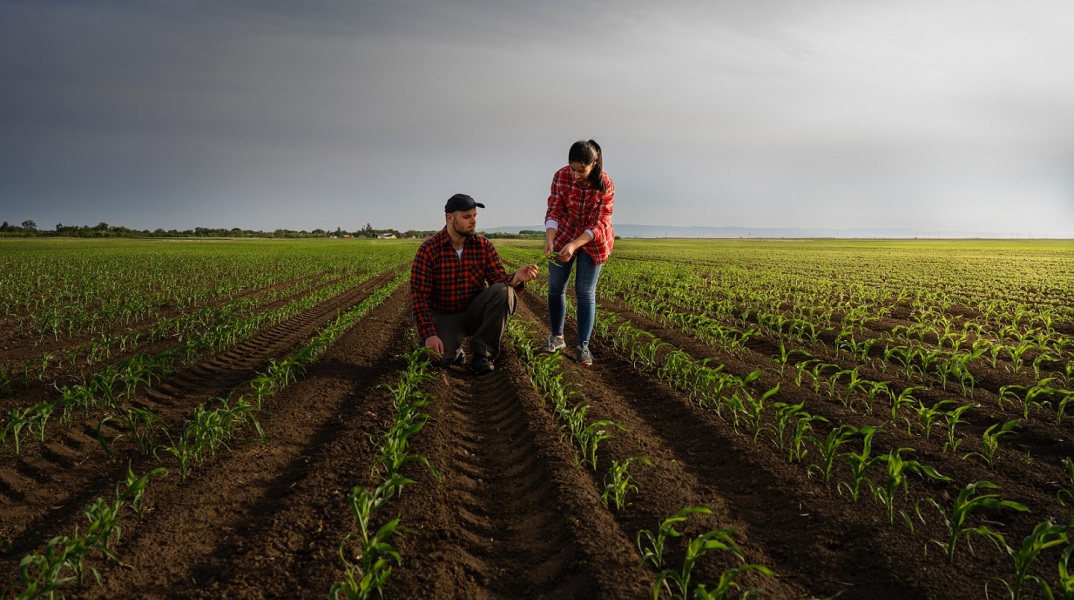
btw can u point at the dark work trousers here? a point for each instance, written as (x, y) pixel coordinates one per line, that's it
(483, 322)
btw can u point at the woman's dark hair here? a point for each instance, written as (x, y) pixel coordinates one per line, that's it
(588, 153)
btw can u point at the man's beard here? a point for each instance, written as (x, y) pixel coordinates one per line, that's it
(464, 233)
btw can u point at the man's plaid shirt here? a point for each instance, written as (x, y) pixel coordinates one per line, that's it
(576, 208)
(441, 281)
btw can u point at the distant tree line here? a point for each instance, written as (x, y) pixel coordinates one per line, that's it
(104, 230)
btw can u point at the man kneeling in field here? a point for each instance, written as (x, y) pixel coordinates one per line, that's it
(459, 289)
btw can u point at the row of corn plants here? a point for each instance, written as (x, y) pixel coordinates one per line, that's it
(367, 554)
(679, 369)
(197, 285)
(106, 388)
(546, 373)
(63, 561)
(47, 287)
(675, 580)
(209, 428)
(43, 574)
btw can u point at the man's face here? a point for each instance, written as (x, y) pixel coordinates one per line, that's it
(464, 222)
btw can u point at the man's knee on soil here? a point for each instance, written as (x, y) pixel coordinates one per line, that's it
(506, 295)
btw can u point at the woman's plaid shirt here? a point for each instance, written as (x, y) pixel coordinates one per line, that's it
(576, 208)
(441, 281)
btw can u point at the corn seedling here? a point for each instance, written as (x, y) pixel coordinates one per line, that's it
(753, 408)
(897, 470)
(904, 399)
(802, 426)
(968, 501)
(930, 414)
(1067, 493)
(651, 545)
(860, 462)
(953, 418)
(617, 483)
(785, 414)
(786, 355)
(31, 419)
(591, 437)
(829, 448)
(677, 581)
(990, 442)
(1044, 536)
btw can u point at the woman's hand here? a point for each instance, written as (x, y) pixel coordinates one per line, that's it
(566, 252)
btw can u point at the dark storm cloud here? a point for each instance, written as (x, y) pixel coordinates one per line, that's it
(935, 116)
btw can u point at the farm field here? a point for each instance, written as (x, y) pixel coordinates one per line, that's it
(861, 419)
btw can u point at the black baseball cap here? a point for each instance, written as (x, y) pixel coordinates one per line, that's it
(461, 202)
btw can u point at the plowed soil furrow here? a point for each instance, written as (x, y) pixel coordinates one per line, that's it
(23, 348)
(1037, 437)
(70, 486)
(265, 520)
(802, 529)
(514, 517)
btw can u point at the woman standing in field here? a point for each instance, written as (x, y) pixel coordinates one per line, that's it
(578, 231)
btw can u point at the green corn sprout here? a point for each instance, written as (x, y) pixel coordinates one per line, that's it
(1067, 493)
(802, 426)
(1061, 406)
(929, 414)
(132, 490)
(860, 462)
(753, 408)
(874, 389)
(829, 448)
(719, 539)
(970, 500)
(953, 418)
(990, 442)
(617, 483)
(651, 546)
(904, 399)
(897, 470)
(44, 574)
(785, 414)
(1044, 536)
(590, 437)
(786, 355)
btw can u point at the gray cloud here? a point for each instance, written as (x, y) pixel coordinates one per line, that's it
(935, 116)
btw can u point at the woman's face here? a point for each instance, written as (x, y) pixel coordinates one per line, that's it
(580, 171)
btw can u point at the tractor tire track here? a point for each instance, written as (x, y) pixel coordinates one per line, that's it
(514, 516)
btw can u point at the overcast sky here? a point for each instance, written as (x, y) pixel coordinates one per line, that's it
(932, 115)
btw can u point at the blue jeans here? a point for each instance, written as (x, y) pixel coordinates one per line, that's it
(585, 290)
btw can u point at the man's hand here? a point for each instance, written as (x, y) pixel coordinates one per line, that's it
(526, 273)
(435, 346)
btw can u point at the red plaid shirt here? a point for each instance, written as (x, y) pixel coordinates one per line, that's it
(441, 281)
(576, 208)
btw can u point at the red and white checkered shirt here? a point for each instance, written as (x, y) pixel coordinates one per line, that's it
(442, 281)
(578, 208)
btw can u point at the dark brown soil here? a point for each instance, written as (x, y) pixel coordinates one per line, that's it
(513, 515)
